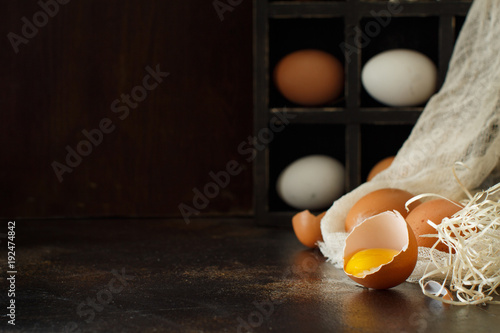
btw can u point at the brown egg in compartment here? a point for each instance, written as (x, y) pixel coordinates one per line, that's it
(309, 77)
(434, 210)
(377, 202)
(379, 167)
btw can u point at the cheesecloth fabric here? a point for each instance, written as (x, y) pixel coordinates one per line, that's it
(460, 123)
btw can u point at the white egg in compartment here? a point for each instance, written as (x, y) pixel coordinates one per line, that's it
(311, 182)
(400, 77)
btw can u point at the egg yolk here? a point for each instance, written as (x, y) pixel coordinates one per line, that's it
(365, 260)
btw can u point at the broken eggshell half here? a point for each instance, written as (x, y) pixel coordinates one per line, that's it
(307, 228)
(439, 290)
(386, 230)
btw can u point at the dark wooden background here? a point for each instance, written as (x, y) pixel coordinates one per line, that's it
(65, 78)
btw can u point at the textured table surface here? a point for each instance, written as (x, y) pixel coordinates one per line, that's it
(208, 276)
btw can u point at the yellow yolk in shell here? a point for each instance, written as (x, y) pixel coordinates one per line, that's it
(365, 260)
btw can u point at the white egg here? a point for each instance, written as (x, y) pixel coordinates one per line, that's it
(311, 182)
(400, 77)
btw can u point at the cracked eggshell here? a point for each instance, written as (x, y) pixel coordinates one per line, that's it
(436, 289)
(387, 230)
(307, 228)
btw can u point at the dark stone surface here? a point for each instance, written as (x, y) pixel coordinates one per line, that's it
(208, 276)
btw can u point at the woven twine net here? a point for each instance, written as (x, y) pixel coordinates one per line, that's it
(460, 123)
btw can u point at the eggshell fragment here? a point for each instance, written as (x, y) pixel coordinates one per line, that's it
(437, 289)
(385, 230)
(434, 210)
(377, 202)
(307, 228)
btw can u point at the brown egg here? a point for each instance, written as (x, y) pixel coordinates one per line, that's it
(385, 232)
(435, 210)
(309, 77)
(380, 166)
(377, 202)
(307, 228)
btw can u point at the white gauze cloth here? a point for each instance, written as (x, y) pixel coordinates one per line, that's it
(460, 123)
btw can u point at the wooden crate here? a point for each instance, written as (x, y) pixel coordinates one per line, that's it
(356, 130)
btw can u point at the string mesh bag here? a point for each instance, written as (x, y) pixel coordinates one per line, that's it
(454, 148)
